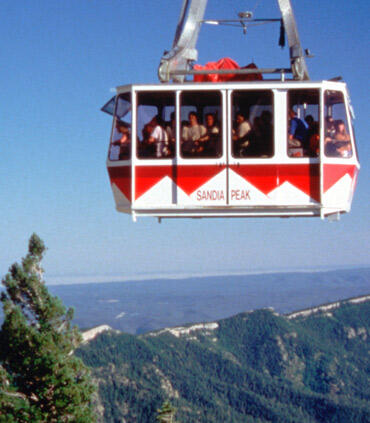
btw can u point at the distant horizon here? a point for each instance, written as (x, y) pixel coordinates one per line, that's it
(56, 280)
(148, 304)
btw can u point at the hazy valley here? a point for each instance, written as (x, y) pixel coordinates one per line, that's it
(143, 306)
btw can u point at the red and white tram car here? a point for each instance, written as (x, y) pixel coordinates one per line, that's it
(276, 180)
(220, 174)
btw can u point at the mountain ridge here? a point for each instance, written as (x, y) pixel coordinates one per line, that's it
(91, 333)
(256, 366)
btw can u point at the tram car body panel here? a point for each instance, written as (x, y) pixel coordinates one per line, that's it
(230, 150)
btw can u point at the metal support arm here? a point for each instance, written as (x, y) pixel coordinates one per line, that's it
(176, 63)
(297, 58)
(183, 51)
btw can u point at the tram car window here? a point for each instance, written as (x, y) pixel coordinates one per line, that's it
(155, 131)
(201, 124)
(303, 138)
(337, 139)
(120, 145)
(253, 126)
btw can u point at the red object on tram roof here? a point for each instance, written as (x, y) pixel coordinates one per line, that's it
(226, 63)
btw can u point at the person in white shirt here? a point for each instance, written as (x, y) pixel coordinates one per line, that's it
(192, 134)
(159, 137)
(240, 134)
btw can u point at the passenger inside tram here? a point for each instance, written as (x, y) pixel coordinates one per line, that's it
(254, 140)
(192, 134)
(329, 128)
(311, 123)
(241, 135)
(313, 136)
(121, 144)
(155, 139)
(171, 134)
(340, 131)
(297, 135)
(337, 139)
(211, 138)
(171, 128)
(342, 139)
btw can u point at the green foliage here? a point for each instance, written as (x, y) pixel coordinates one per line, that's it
(255, 367)
(41, 379)
(13, 406)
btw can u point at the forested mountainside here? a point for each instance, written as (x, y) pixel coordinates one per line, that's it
(310, 366)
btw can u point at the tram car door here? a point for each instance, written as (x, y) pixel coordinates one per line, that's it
(202, 153)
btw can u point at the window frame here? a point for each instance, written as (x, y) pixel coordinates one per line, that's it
(221, 106)
(272, 111)
(138, 141)
(318, 122)
(348, 123)
(114, 123)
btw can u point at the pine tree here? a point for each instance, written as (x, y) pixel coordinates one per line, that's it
(13, 406)
(166, 414)
(40, 378)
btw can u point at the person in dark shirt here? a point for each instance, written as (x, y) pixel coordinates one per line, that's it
(298, 132)
(298, 128)
(210, 141)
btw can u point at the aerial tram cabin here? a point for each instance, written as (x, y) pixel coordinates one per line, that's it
(226, 149)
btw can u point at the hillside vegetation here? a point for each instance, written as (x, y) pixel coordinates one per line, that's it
(253, 367)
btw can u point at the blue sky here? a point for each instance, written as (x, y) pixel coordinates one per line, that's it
(60, 60)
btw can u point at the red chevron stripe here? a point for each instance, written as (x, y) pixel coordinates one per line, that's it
(263, 177)
(191, 177)
(334, 172)
(305, 177)
(147, 176)
(121, 177)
